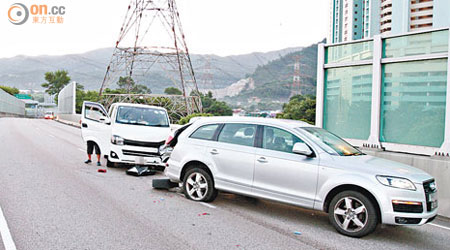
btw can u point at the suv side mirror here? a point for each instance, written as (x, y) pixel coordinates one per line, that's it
(302, 149)
(105, 120)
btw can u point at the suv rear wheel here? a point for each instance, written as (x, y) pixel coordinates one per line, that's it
(353, 214)
(198, 185)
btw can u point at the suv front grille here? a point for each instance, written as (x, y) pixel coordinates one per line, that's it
(139, 153)
(143, 143)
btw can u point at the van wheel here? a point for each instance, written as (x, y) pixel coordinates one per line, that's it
(198, 185)
(353, 214)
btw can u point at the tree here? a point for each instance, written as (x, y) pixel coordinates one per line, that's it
(212, 106)
(10, 90)
(218, 108)
(127, 85)
(300, 108)
(186, 119)
(172, 91)
(141, 89)
(82, 96)
(55, 81)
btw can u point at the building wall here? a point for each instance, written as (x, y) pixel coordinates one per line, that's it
(421, 15)
(351, 20)
(400, 16)
(374, 10)
(386, 17)
(357, 27)
(441, 17)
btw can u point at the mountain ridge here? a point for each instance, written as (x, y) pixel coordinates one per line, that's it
(88, 68)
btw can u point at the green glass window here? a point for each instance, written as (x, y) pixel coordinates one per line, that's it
(419, 44)
(349, 52)
(348, 100)
(413, 102)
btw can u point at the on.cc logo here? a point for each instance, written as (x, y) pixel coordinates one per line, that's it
(18, 14)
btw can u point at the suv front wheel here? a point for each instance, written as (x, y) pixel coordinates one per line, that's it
(353, 214)
(198, 185)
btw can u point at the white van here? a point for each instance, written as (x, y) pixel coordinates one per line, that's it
(127, 134)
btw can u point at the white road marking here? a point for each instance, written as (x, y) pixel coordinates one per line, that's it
(207, 205)
(436, 225)
(8, 242)
(82, 150)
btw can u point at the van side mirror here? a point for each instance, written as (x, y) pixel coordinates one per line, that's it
(302, 149)
(105, 120)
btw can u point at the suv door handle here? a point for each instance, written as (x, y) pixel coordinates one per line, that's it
(214, 151)
(262, 159)
(84, 125)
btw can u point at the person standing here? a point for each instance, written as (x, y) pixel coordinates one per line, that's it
(90, 149)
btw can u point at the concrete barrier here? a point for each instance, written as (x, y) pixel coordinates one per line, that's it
(437, 167)
(3, 114)
(69, 117)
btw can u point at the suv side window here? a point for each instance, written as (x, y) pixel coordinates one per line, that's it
(279, 139)
(205, 132)
(241, 134)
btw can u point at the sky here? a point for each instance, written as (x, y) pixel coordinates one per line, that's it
(221, 27)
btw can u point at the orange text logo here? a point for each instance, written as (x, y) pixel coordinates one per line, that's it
(40, 13)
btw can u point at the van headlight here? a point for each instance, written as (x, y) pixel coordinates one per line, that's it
(396, 182)
(117, 140)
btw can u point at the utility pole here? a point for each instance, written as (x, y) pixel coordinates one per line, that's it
(296, 83)
(152, 44)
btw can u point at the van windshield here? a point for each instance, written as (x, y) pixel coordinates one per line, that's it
(142, 116)
(330, 142)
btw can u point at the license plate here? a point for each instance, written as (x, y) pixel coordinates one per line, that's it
(432, 198)
(140, 160)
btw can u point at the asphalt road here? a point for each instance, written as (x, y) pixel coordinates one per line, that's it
(52, 200)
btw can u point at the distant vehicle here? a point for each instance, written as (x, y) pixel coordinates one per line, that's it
(49, 115)
(129, 134)
(296, 163)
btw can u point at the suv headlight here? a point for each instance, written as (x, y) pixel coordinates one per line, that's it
(396, 182)
(117, 140)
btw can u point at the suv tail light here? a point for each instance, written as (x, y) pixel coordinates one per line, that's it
(169, 139)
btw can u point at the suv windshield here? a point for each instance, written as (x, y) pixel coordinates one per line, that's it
(142, 116)
(330, 142)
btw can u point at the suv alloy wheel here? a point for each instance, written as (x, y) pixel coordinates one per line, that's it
(198, 185)
(353, 214)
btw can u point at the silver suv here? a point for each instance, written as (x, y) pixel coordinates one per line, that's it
(296, 163)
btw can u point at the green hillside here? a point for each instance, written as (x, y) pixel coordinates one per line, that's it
(273, 81)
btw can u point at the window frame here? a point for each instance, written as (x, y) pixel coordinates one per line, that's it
(215, 135)
(255, 139)
(100, 108)
(261, 131)
(119, 107)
